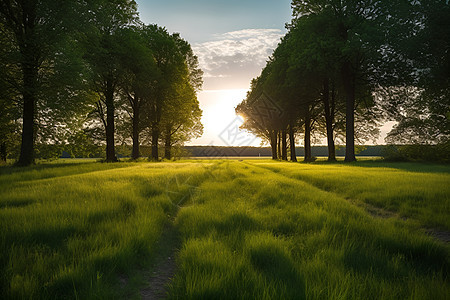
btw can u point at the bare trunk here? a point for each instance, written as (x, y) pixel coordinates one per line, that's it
(135, 152)
(29, 53)
(279, 145)
(29, 102)
(3, 152)
(292, 143)
(349, 86)
(156, 132)
(273, 143)
(284, 145)
(110, 128)
(329, 116)
(307, 141)
(30, 77)
(168, 144)
(155, 138)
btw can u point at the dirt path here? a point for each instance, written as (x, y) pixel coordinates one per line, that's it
(164, 268)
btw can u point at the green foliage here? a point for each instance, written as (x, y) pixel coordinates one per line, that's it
(432, 153)
(44, 68)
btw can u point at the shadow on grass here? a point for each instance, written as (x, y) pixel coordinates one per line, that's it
(14, 204)
(421, 167)
(276, 267)
(12, 169)
(51, 170)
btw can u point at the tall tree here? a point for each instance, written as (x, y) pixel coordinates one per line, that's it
(138, 81)
(106, 49)
(179, 77)
(420, 101)
(181, 112)
(360, 35)
(41, 37)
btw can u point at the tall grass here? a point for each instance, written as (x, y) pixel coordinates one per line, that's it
(249, 230)
(257, 234)
(410, 190)
(71, 231)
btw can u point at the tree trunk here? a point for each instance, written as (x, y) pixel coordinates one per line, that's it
(292, 143)
(168, 144)
(30, 75)
(135, 152)
(329, 120)
(284, 145)
(307, 142)
(155, 138)
(349, 87)
(273, 144)
(279, 144)
(3, 152)
(29, 56)
(156, 131)
(110, 128)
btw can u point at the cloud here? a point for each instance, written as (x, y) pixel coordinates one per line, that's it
(232, 59)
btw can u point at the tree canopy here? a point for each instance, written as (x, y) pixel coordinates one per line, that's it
(92, 72)
(346, 67)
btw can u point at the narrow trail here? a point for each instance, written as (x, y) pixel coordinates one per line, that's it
(377, 212)
(164, 268)
(152, 283)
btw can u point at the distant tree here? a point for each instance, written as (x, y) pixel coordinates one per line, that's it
(171, 105)
(256, 109)
(181, 119)
(181, 111)
(167, 59)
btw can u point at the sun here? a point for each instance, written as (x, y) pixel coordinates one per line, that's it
(219, 115)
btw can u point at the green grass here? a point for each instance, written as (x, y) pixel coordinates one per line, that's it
(252, 229)
(417, 191)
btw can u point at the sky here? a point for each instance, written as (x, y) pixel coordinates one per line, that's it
(233, 40)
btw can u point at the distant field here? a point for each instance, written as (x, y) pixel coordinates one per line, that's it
(250, 229)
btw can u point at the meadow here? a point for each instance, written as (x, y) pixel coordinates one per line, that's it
(239, 229)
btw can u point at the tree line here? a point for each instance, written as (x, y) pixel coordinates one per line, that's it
(346, 67)
(79, 74)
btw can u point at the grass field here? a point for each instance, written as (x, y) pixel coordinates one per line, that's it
(251, 229)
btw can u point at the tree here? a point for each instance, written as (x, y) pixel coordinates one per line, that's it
(140, 75)
(316, 54)
(359, 35)
(181, 119)
(172, 102)
(106, 51)
(41, 36)
(260, 112)
(420, 103)
(9, 103)
(181, 111)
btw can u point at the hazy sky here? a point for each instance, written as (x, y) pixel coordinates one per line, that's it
(233, 40)
(200, 20)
